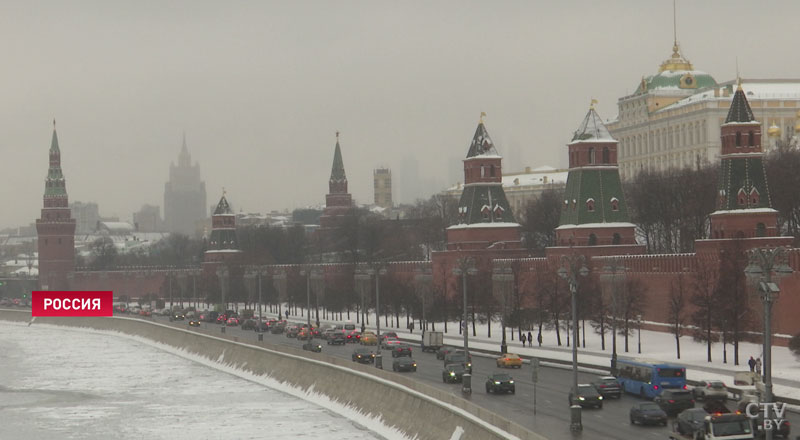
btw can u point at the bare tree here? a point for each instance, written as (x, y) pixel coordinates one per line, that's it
(631, 304)
(678, 299)
(704, 286)
(540, 220)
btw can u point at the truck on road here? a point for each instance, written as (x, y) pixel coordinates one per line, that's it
(432, 341)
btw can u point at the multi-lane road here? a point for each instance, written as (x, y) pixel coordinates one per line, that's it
(552, 387)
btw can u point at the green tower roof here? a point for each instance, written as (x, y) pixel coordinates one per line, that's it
(337, 171)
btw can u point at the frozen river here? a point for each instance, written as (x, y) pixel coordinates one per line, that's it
(72, 384)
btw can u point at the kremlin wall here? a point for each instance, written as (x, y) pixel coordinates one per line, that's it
(594, 223)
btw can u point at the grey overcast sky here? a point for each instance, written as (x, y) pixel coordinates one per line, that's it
(260, 87)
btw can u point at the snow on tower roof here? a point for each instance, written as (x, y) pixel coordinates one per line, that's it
(592, 129)
(740, 109)
(481, 144)
(223, 207)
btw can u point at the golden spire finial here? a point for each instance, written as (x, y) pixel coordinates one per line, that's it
(592, 104)
(223, 191)
(337, 135)
(483, 115)
(54, 123)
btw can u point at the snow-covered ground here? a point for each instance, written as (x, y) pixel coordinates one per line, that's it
(67, 383)
(658, 346)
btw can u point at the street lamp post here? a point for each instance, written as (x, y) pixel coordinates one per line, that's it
(309, 274)
(503, 277)
(614, 267)
(423, 280)
(766, 264)
(279, 282)
(362, 282)
(377, 272)
(465, 266)
(223, 273)
(639, 325)
(573, 267)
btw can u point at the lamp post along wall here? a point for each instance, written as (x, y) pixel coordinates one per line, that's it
(572, 268)
(766, 267)
(465, 266)
(423, 280)
(614, 267)
(503, 282)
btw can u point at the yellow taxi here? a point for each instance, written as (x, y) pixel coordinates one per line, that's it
(369, 338)
(509, 360)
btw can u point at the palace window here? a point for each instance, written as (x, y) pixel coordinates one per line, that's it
(616, 239)
(742, 197)
(606, 155)
(591, 155)
(754, 196)
(761, 230)
(590, 205)
(491, 171)
(738, 139)
(592, 239)
(751, 139)
(614, 204)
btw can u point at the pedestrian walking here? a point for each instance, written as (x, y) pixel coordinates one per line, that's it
(530, 339)
(758, 366)
(539, 339)
(522, 338)
(752, 363)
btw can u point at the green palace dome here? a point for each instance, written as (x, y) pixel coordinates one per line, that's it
(676, 73)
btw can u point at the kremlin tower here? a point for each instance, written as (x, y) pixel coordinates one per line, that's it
(56, 227)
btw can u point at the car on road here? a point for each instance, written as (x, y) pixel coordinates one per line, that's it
(261, 326)
(176, 317)
(587, 396)
(457, 357)
(401, 350)
(389, 335)
(368, 338)
(363, 355)
(443, 351)
(388, 343)
(304, 334)
(647, 413)
(716, 406)
(328, 332)
(509, 360)
(674, 401)
(277, 328)
(232, 321)
(404, 363)
(222, 318)
(453, 373)
(608, 386)
(292, 331)
(710, 389)
(249, 324)
(353, 336)
(689, 421)
(337, 338)
(194, 322)
(500, 382)
(312, 346)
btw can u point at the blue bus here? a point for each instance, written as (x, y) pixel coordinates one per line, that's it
(647, 379)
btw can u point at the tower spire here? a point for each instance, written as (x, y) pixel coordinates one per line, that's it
(674, 24)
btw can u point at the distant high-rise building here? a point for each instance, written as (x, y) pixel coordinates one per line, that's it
(148, 219)
(86, 216)
(184, 196)
(382, 178)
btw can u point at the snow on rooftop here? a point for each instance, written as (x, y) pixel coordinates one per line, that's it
(753, 91)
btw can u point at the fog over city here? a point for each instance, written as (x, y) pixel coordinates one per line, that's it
(260, 88)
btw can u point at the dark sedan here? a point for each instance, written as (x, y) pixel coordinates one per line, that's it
(261, 327)
(401, 350)
(453, 373)
(404, 363)
(177, 317)
(647, 413)
(444, 351)
(587, 396)
(337, 338)
(249, 324)
(608, 386)
(277, 329)
(311, 346)
(675, 401)
(500, 382)
(194, 323)
(363, 355)
(690, 421)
